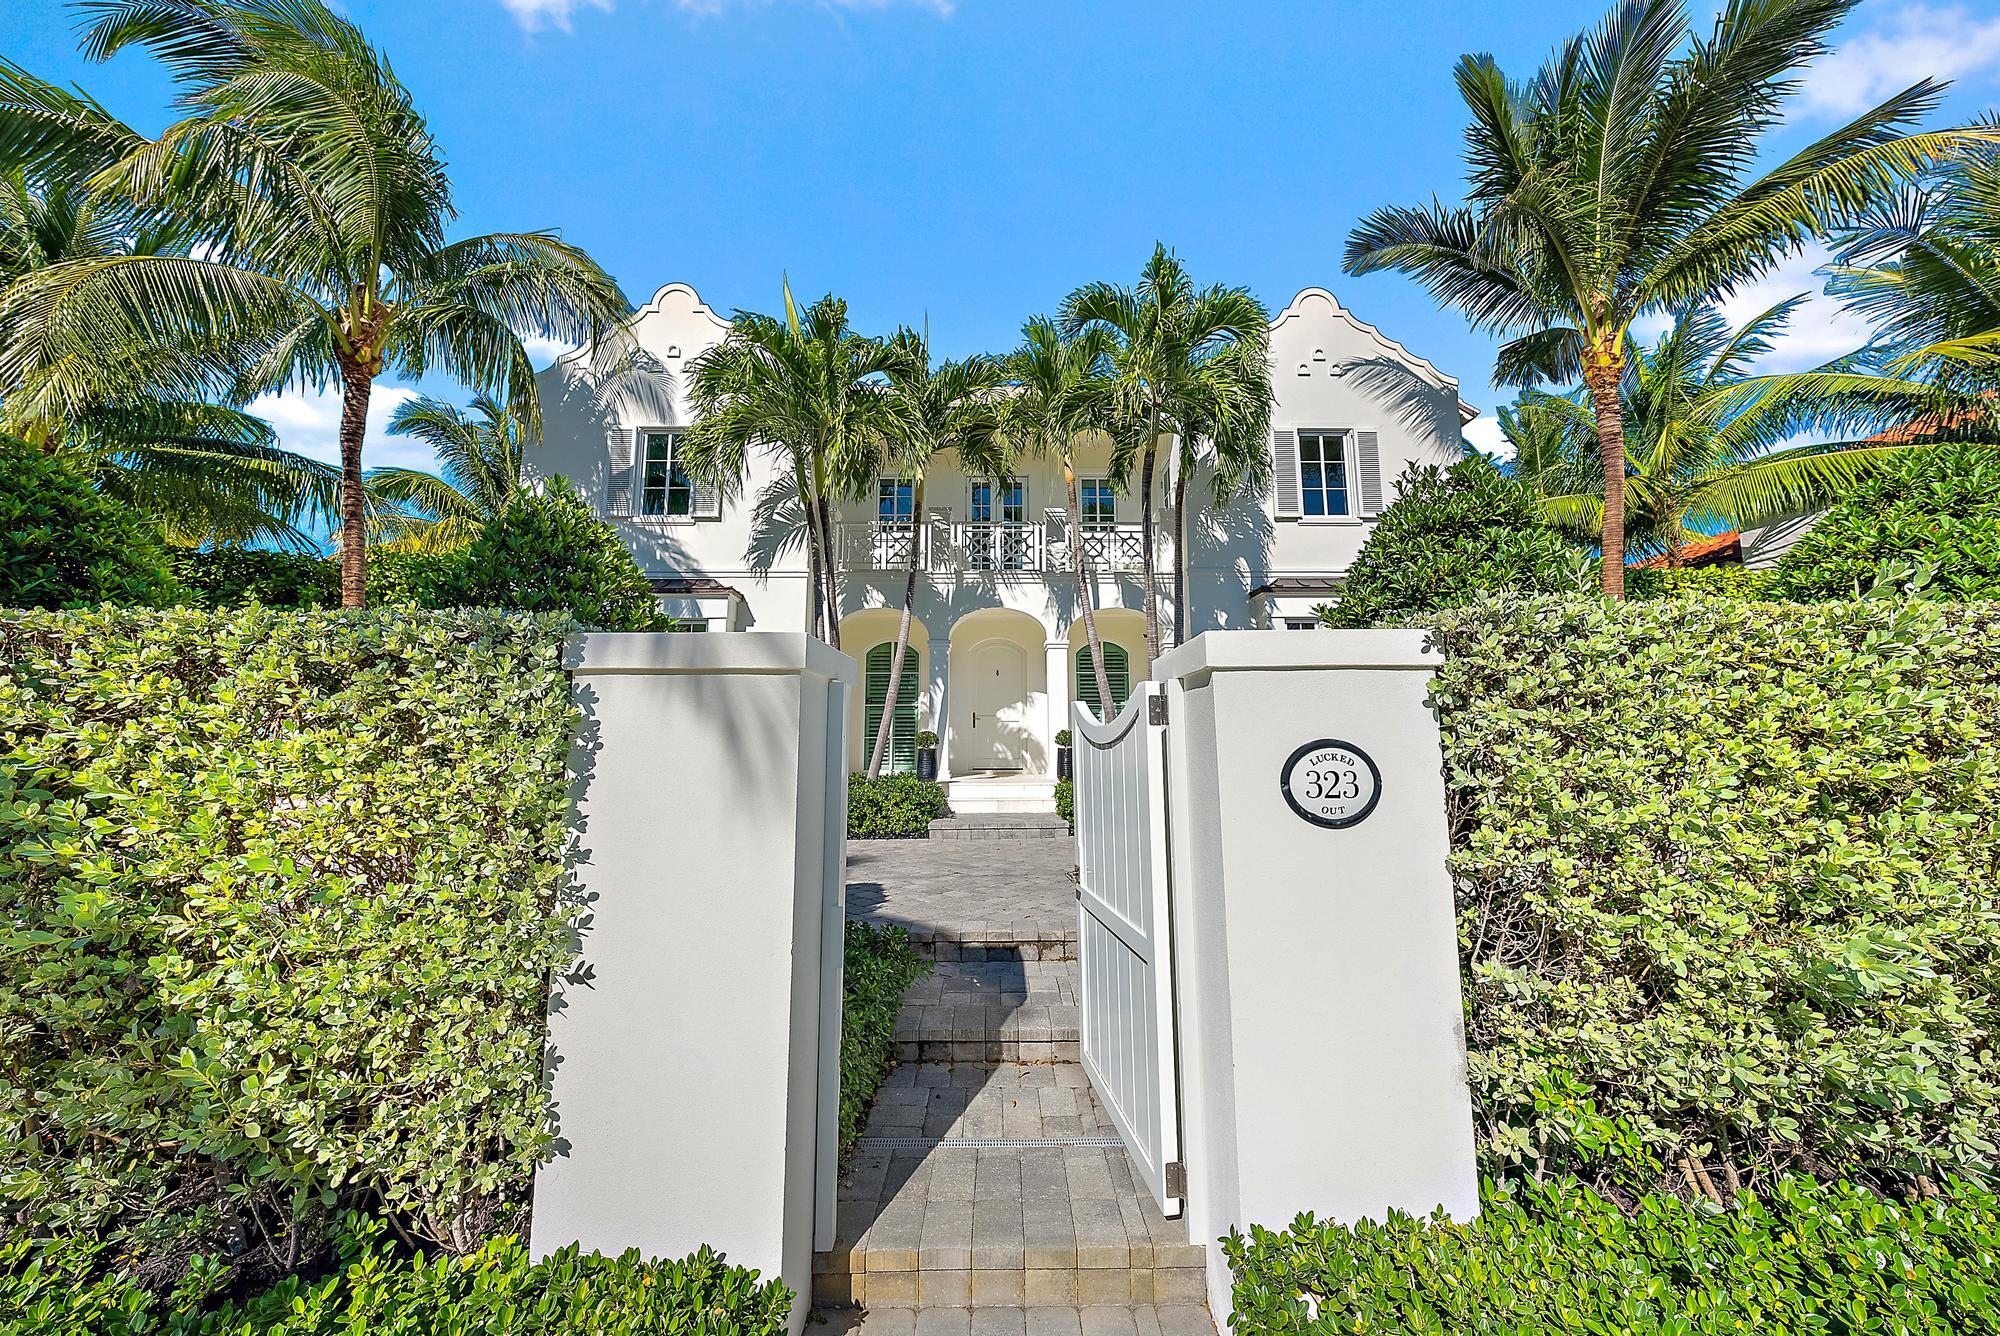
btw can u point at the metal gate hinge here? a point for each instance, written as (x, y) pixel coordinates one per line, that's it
(1156, 710)
(1176, 1179)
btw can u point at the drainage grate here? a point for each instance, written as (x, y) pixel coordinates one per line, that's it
(984, 1143)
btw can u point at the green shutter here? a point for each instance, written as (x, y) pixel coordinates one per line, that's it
(902, 757)
(1117, 667)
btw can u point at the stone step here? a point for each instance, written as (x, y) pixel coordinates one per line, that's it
(1002, 795)
(1031, 825)
(991, 1010)
(1026, 1197)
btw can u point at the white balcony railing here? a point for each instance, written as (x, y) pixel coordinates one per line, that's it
(996, 547)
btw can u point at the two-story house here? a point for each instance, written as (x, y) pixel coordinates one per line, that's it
(998, 649)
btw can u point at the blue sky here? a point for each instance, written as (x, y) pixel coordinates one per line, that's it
(970, 161)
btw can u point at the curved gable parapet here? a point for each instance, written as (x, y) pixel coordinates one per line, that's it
(1320, 302)
(671, 300)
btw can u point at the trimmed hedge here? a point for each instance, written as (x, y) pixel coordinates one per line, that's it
(285, 891)
(880, 967)
(1066, 800)
(1559, 1258)
(1719, 581)
(1726, 883)
(892, 806)
(47, 1288)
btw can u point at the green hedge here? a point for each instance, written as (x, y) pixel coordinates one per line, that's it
(892, 806)
(496, 1291)
(229, 577)
(1066, 800)
(1806, 1258)
(880, 966)
(65, 544)
(284, 894)
(1726, 883)
(1929, 526)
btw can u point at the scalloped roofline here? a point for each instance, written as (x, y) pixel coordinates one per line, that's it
(655, 306)
(1421, 366)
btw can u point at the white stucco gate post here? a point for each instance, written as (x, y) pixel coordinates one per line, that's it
(1315, 948)
(695, 1060)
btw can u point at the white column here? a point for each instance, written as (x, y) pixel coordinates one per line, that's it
(685, 1121)
(1059, 694)
(1340, 928)
(938, 689)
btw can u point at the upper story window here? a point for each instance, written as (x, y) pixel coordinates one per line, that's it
(998, 500)
(1098, 503)
(666, 488)
(895, 501)
(1323, 473)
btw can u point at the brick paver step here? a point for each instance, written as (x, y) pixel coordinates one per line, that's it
(969, 901)
(1061, 1224)
(1000, 826)
(994, 1010)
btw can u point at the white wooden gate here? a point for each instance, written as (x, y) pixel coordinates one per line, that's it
(1126, 934)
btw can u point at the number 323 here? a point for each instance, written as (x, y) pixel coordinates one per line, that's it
(1332, 784)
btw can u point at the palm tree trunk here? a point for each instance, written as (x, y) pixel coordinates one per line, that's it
(831, 571)
(1146, 557)
(1180, 545)
(815, 606)
(1601, 375)
(1086, 592)
(355, 383)
(887, 725)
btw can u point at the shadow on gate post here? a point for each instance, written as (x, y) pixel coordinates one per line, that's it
(694, 1053)
(1316, 950)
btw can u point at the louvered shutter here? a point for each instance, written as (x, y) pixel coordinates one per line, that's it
(902, 757)
(1285, 467)
(1117, 668)
(622, 441)
(707, 501)
(1368, 471)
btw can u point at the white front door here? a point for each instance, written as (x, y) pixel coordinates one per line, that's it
(993, 725)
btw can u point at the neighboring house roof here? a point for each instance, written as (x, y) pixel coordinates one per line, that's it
(1298, 584)
(696, 586)
(1720, 550)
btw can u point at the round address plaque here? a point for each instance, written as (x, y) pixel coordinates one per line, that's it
(1331, 783)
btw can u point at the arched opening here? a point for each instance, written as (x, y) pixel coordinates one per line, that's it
(1118, 671)
(901, 758)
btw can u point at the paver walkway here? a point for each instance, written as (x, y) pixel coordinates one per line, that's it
(990, 1192)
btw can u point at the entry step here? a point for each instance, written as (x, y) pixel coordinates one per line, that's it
(1002, 795)
(1000, 826)
(993, 1010)
(1022, 1197)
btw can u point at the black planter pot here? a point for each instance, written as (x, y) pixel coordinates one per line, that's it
(1062, 763)
(927, 763)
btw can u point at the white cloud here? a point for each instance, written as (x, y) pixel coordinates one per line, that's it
(308, 421)
(534, 15)
(1819, 330)
(1483, 434)
(1915, 42)
(544, 352)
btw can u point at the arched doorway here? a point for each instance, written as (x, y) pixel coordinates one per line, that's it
(999, 701)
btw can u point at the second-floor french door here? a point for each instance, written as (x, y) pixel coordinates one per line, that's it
(997, 537)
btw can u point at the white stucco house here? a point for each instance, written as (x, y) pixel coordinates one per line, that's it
(998, 650)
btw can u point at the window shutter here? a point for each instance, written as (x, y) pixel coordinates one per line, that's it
(1285, 464)
(618, 493)
(1117, 669)
(1368, 471)
(707, 501)
(902, 755)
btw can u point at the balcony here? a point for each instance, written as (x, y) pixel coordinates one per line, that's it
(1024, 547)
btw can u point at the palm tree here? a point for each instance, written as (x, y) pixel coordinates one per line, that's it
(1182, 361)
(479, 457)
(1227, 430)
(1060, 396)
(203, 472)
(931, 410)
(809, 389)
(1614, 184)
(316, 203)
(1705, 439)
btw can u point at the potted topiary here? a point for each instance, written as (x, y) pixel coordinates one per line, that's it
(927, 755)
(1062, 754)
